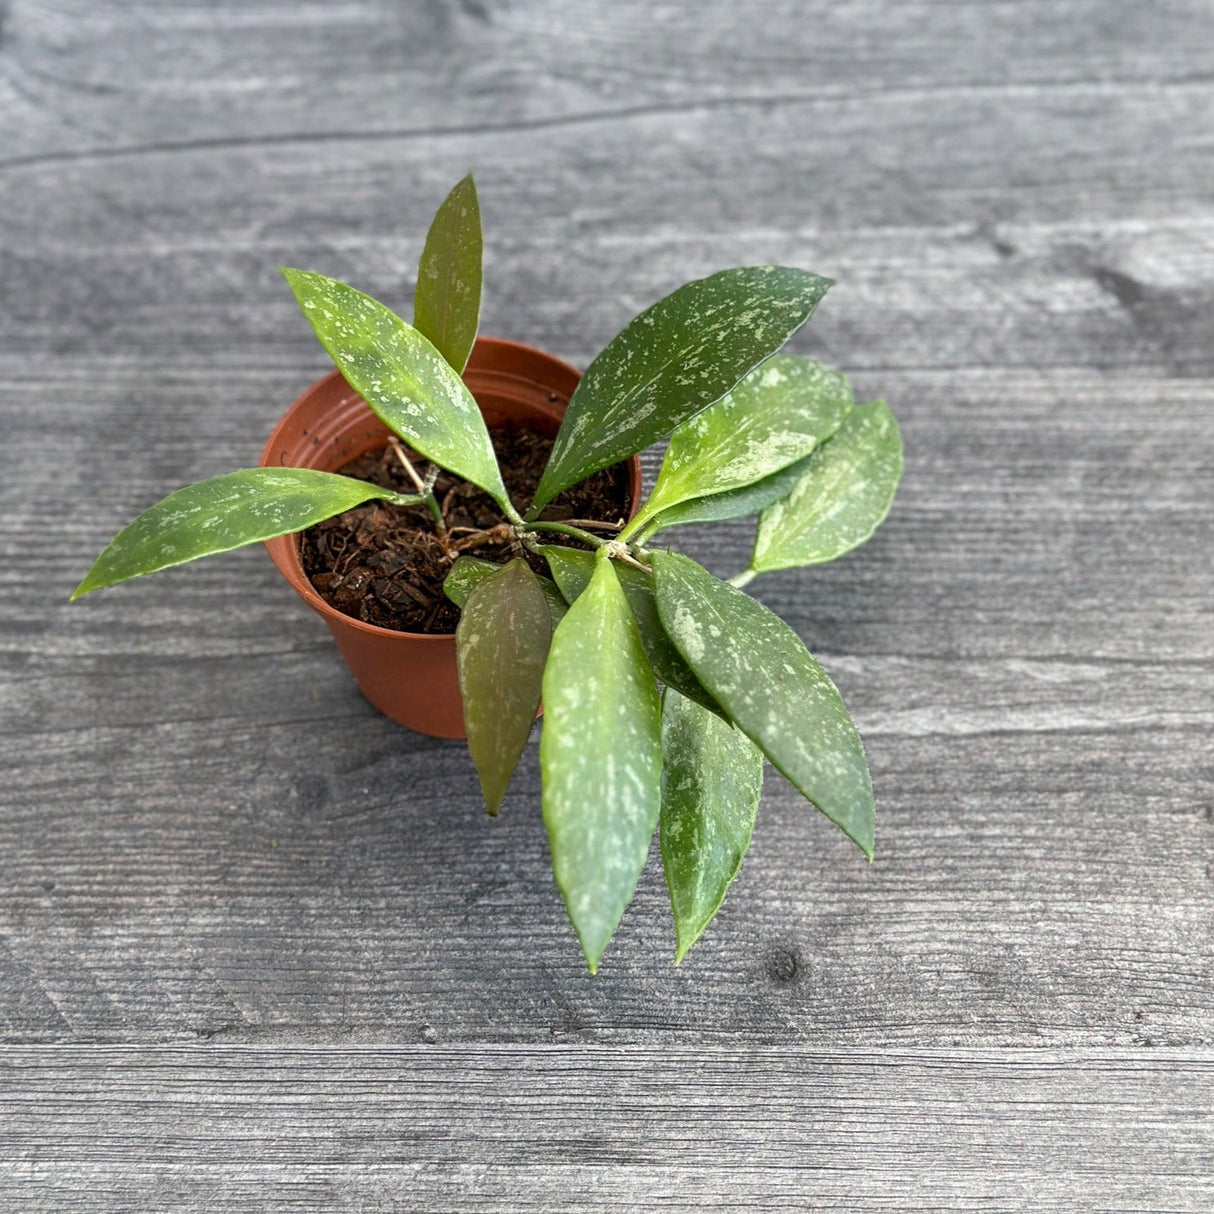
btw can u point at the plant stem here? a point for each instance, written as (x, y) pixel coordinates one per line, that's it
(741, 579)
(426, 490)
(567, 529)
(590, 522)
(629, 559)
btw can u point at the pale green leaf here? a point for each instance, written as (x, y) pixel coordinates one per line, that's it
(228, 512)
(573, 567)
(761, 674)
(841, 499)
(712, 779)
(469, 571)
(404, 379)
(672, 361)
(776, 416)
(447, 304)
(735, 503)
(601, 759)
(501, 646)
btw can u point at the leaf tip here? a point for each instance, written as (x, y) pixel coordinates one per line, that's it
(493, 798)
(89, 583)
(686, 938)
(592, 949)
(866, 844)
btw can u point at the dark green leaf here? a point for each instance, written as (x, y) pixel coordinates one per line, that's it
(447, 305)
(501, 646)
(712, 779)
(573, 568)
(776, 416)
(404, 379)
(601, 758)
(228, 512)
(761, 674)
(737, 503)
(840, 500)
(672, 361)
(469, 571)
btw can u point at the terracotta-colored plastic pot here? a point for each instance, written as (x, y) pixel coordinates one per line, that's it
(410, 676)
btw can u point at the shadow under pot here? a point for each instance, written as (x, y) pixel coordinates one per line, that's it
(411, 676)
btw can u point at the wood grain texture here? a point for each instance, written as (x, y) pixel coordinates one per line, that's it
(576, 1130)
(259, 947)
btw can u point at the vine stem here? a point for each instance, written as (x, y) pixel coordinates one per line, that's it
(566, 529)
(426, 490)
(590, 522)
(743, 578)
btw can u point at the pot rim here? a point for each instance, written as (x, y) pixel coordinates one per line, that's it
(302, 584)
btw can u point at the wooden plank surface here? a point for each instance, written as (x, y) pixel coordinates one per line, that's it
(218, 865)
(606, 1129)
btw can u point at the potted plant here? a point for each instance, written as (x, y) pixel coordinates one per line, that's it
(663, 687)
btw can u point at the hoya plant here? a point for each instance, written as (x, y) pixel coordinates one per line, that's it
(664, 688)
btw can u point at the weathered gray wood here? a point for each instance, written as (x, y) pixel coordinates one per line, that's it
(575, 1130)
(215, 857)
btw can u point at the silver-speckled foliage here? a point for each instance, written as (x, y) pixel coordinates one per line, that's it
(447, 303)
(501, 645)
(404, 379)
(470, 571)
(734, 503)
(573, 568)
(776, 416)
(761, 674)
(673, 360)
(712, 779)
(840, 501)
(601, 758)
(227, 512)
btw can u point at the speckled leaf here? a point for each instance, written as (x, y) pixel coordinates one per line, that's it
(736, 503)
(763, 676)
(447, 305)
(776, 416)
(601, 758)
(712, 779)
(842, 498)
(227, 512)
(672, 361)
(501, 646)
(573, 568)
(403, 378)
(470, 571)
(466, 573)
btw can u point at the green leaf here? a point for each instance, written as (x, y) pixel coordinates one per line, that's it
(601, 759)
(841, 499)
(712, 779)
(776, 416)
(447, 305)
(501, 646)
(404, 379)
(672, 361)
(735, 503)
(761, 674)
(573, 568)
(470, 571)
(228, 512)
(465, 574)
